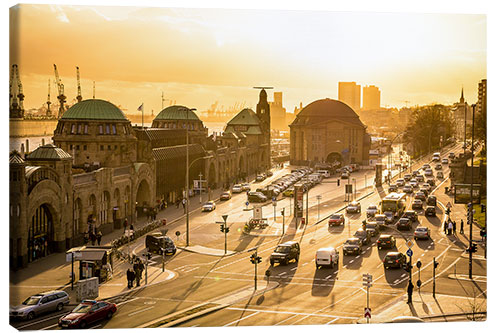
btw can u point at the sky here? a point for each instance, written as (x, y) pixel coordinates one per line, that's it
(199, 56)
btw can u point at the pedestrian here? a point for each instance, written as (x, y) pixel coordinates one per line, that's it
(177, 203)
(125, 224)
(450, 227)
(92, 238)
(454, 228)
(410, 292)
(130, 278)
(445, 227)
(99, 237)
(85, 238)
(184, 204)
(462, 226)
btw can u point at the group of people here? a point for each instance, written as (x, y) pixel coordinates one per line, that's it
(135, 273)
(450, 227)
(93, 237)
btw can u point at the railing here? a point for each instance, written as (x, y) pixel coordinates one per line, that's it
(84, 178)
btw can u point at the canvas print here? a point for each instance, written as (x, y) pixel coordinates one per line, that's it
(183, 167)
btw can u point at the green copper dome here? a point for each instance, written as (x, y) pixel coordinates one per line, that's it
(94, 109)
(177, 112)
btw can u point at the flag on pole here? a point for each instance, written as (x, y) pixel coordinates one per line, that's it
(141, 108)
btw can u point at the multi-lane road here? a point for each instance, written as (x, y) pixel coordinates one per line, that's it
(305, 295)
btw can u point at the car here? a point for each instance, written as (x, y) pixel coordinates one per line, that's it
(415, 173)
(256, 197)
(438, 167)
(413, 183)
(86, 313)
(425, 191)
(408, 189)
(237, 188)
(451, 155)
(386, 241)
(327, 256)
(394, 260)
(372, 228)
(286, 252)
(430, 211)
(390, 217)
(245, 187)
(425, 186)
(352, 246)
(400, 182)
(403, 223)
(345, 175)
(440, 175)
(372, 210)
(419, 178)
(431, 181)
(208, 206)
(428, 172)
(381, 220)
(336, 219)
(420, 195)
(407, 177)
(225, 195)
(269, 173)
(431, 200)
(38, 304)
(426, 166)
(363, 235)
(325, 173)
(436, 157)
(422, 232)
(410, 214)
(353, 207)
(260, 178)
(156, 241)
(392, 188)
(444, 161)
(289, 192)
(417, 204)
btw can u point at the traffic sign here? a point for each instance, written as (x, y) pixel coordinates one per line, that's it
(409, 243)
(368, 312)
(448, 205)
(409, 253)
(274, 199)
(247, 203)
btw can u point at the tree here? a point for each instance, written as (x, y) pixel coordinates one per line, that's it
(429, 128)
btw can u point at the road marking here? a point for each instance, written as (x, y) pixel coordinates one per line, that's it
(292, 313)
(396, 281)
(294, 268)
(403, 275)
(42, 320)
(329, 276)
(344, 266)
(331, 321)
(48, 327)
(94, 327)
(237, 321)
(281, 321)
(304, 263)
(351, 261)
(129, 300)
(357, 256)
(139, 311)
(280, 274)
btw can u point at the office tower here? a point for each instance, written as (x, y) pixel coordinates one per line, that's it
(371, 98)
(349, 93)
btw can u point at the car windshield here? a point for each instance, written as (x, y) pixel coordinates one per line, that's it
(371, 226)
(421, 229)
(380, 218)
(351, 242)
(82, 308)
(392, 256)
(33, 300)
(372, 207)
(282, 249)
(335, 216)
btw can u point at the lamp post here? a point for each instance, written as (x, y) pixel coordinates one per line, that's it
(319, 198)
(187, 176)
(199, 185)
(354, 180)
(471, 187)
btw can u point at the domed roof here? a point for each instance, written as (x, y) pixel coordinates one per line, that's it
(48, 152)
(94, 109)
(327, 109)
(177, 112)
(245, 117)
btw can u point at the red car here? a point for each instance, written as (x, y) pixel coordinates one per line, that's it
(336, 219)
(86, 313)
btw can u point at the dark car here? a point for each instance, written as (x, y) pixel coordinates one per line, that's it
(430, 211)
(86, 313)
(372, 228)
(336, 219)
(404, 223)
(269, 173)
(386, 241)
(394, 260)
(410, 214)
(156, 241)
(420, 195)
(407, 177)
(286, 252)
(225, 195)
(352, 246)
(363, 235)
(393, 188)
(417, 204)
(438, 167)
(431, 200)
(431, 181)
(256, 197)
(260, 178)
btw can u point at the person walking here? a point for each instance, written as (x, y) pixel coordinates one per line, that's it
(130, 278)
(184, 205)
(410, 292)
(450, 228)
(454, 228)
(462, 226)
(137, 272)
(99, 237)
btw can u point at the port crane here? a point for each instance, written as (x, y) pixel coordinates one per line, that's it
(49, 113)
(79, 88)
(60, 97)
(16, 108)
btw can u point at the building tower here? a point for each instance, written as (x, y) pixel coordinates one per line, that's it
(371, 98)
(349, 93)
(264, 114)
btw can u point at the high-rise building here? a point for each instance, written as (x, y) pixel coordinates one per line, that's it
(371, 98)
(278, 113)
(481, 96)
(349, 93)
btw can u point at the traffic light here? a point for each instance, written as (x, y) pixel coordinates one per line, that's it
(226, 230)
(474, 248)
(252, 258)
(436, 264)
(222, 228)
(448, 211)
(419, 264)
(338, 182)
(259, 260)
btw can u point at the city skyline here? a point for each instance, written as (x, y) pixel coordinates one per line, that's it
(238, 49)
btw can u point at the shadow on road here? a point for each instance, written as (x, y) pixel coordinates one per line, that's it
(394, 275)
(425, 244)
(324, 280)
(352, 262)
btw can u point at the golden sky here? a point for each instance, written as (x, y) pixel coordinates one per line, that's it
(198, 56)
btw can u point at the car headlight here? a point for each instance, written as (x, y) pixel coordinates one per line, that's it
(74, 320)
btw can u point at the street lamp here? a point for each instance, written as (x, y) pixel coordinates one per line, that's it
(187, 175)
(471, 186)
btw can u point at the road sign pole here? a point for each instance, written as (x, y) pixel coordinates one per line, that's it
(434, 277)
(225, 233)
(72, 268)
(368, 302)
(255, 264)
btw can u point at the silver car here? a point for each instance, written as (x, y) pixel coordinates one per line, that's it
(422, 232)
(38, 304)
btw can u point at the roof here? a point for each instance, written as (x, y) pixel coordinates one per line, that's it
(48, 152)
(175, 152)
(177, 112)
(15, 158)
(325, 110)
(245, 117)
(94, 109)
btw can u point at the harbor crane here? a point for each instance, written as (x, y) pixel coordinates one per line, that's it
(16, 107)
(79, 88)
(60, 97)
(49, 113)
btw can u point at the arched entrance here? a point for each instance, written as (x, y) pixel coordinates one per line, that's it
(143, 198)
(41, 233)
(334, 157)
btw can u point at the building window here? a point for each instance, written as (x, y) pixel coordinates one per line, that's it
(77, 147)
(84, 147)
(86, 129)
(102, 147)
(70, 147)
(73, 128)
(107, 128)
(100, 129)
(109, 147)
(114, 129)
(79, 129)
(116, 147)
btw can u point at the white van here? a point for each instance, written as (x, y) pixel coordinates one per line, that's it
(325, 173)
(436, 157)
(327, 256)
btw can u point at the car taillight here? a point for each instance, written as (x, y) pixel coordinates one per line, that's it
(397, 261)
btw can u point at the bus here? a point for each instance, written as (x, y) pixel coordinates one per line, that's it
(394, 203)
